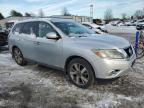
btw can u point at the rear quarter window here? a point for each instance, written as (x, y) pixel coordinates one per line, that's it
(17, 28)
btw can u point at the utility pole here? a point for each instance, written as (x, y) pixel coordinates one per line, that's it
(91, 11)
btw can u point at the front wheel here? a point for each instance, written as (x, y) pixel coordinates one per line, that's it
(80, 73)
(17, 54)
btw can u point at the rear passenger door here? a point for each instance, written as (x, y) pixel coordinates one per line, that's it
(14, 36)
(28, 38)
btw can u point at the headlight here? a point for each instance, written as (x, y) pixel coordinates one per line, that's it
(112, 53)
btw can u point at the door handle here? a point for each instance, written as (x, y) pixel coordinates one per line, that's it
(37, 43)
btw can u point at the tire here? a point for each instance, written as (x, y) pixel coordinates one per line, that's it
(80, 73)
(18, 56)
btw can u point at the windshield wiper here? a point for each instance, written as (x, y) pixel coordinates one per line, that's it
(82, 36)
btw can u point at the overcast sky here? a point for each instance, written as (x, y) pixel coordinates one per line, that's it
(76, 7)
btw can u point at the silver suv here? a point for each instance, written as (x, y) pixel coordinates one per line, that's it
(71, 47)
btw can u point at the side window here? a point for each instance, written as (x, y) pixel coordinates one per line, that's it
(30, 28)
(17, 28)
(44, 28)
(26, 28)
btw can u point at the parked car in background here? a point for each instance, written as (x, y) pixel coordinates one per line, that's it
(3, 36)
(4, 33)
(120, 24)
(140, 25)
(97, 28)
(67, 45)
(114, 23)
(129, 23)
(122, 27)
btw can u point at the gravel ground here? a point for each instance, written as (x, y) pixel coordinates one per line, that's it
(35, 86)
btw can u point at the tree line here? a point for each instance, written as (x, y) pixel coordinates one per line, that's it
(138, 14)
(108, 15)
(14, 13)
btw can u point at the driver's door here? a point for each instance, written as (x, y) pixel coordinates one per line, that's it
(49, 51)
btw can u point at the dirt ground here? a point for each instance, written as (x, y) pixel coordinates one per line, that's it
(35, 86)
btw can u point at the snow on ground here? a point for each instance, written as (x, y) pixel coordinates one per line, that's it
(36, 86)
(120, 29)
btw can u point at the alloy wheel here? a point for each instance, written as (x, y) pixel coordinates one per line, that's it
(79, 74)
(18, 56)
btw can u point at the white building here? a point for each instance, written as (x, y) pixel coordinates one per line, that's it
(8, 22)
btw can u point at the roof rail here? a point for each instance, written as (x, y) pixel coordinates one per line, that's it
(59, 17)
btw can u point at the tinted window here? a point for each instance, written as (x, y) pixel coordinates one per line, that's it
(17, 28)
(30, 28)
(45, 28)
(26, 28)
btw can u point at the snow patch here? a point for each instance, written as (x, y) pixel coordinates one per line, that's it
(6, 60)
(120, 29)
(107, 101)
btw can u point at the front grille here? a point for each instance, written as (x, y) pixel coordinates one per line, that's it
(129, 51)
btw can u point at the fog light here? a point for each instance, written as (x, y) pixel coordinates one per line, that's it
(114, 72)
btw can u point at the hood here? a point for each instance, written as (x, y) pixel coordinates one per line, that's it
(102, 41)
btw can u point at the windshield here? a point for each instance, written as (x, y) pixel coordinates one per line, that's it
(70, 27)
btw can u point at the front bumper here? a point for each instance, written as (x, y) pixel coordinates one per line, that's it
(110, 68)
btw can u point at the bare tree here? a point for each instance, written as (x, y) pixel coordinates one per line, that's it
(41, 13)
(108, 16)
(33, 15)
(1, 16)
(65, 12)
(28, 14)
(124, 16)
(14, 13)
(138, 14)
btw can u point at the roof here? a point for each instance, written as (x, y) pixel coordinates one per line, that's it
(45, 19)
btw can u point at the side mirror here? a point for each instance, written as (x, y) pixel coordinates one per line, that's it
(52, 35)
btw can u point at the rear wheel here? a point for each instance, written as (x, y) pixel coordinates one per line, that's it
(17, 54)
(80, 73)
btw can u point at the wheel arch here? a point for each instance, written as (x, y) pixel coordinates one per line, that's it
(12, 49)
(74, 57)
